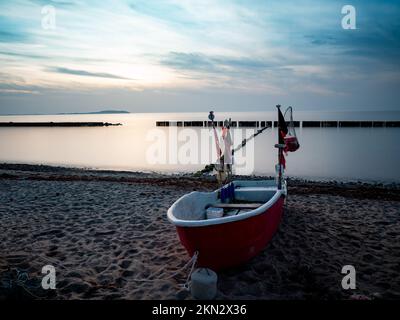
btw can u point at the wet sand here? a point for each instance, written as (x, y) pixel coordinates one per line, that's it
(107, 231)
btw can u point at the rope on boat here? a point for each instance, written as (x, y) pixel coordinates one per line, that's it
(191, 263)
(186, 285)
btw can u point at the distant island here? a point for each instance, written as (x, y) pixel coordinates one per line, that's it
(98, 112)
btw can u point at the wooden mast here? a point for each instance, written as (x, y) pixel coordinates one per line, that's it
(280, 147)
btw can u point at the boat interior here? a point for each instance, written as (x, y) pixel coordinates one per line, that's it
(245, 196)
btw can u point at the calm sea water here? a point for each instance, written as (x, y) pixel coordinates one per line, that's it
(368, 154)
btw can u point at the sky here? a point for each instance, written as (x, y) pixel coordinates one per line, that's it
(186, 56)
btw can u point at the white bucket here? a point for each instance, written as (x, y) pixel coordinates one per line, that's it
(213, 213)
(203, 284)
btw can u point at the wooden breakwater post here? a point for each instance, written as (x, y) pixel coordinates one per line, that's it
(298, 124)
(58, 124)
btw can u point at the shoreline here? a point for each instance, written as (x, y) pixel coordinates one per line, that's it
(356, 189)
(106, 231)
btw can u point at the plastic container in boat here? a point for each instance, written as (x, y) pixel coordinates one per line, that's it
(213, 213)
(203, 284)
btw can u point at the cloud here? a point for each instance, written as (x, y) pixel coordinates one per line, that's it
(289, 48)
(10, 37)
(86, 73)
(23, 55)
(56, 3)
(376, 37)
(168, 12)
(16, 91)
(212, 64)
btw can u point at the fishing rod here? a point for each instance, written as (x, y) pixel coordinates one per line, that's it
(210, 167)
(244, 141)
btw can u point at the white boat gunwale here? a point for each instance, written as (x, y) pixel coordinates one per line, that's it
(226, 219)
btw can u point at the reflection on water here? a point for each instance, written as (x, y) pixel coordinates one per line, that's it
(325, 153)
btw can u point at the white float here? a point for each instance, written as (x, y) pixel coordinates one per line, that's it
(204, 284)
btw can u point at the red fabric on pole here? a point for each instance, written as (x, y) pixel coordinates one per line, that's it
(282, 160)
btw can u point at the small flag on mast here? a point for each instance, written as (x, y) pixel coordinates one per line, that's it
(283, 129)
(282, 132)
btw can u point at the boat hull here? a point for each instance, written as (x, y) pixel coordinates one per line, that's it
(230, 244)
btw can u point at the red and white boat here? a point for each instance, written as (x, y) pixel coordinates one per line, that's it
(232, 239)
(251, 216)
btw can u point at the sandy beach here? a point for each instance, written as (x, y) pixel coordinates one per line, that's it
(105, 232)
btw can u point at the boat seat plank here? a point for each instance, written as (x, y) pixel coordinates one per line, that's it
(252, 189)
(237, 205)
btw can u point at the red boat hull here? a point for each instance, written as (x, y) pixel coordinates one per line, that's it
(230, 244)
